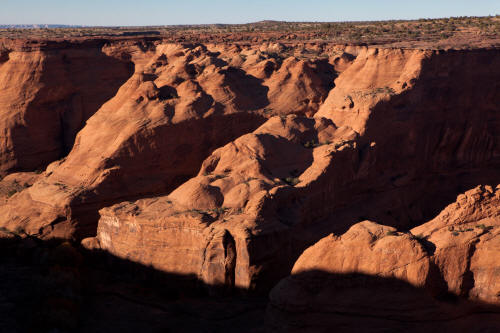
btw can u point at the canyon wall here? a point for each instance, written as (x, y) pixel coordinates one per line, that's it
(181, 102)
(371, 271)
(395, 146)
(225, 161)
(48, 93)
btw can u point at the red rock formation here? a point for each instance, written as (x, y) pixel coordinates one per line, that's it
(371, 249)
(47, 94)
(226, 197)
(394, 141)
(321, 302)
(224, 162)
(461, 242)
(16, 182)
(370, 270)
(404, 147)
(466, 244)
(137, 143)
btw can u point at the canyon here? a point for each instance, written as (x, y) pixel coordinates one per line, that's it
(355, 186)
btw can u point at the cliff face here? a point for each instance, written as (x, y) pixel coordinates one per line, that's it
(394, 147)
(373, 270)
(225, 162)
(48, 93)
(181, 102)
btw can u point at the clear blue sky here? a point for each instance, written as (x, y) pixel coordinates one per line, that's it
(164, 12)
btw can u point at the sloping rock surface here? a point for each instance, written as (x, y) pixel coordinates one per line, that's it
(387, 278)
(180, 103)
(397, 155)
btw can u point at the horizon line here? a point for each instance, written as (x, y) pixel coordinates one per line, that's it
(56, 25)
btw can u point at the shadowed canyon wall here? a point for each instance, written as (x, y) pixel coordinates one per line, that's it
(224, 162)
(48, 93)
(395, 147)
(182, 102)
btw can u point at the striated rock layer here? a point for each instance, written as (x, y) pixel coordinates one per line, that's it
(372, 271)
(235, 164)
(182, 102)
(47, 94)
(291, 149)
(465, 244)
(399, 136)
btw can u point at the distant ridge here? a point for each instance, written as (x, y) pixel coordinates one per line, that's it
(37, 26)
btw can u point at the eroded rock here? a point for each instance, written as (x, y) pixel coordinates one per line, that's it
(387, 278)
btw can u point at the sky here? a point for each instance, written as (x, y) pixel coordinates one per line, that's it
(166, 12)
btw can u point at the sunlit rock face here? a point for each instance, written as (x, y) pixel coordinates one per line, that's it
(225, 162)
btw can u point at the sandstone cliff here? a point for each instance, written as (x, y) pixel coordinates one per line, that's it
(181, 102)
(48, 92)
(372, 269)
(234, 164)
(397, 149)
(395, 137)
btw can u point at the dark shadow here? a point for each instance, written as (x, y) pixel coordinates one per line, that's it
(249, 92)
(443, 139)
(169, 164)
(429, 246)
(318, 301)
(49, 286)
(167, 92)
(75, 82)
(421, 149)
(4, 56)
(326, 73)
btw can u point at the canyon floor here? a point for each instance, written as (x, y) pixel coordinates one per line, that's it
(239, 180)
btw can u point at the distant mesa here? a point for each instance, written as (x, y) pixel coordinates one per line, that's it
(38, 26)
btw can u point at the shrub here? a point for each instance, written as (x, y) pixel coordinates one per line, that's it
(314, 144)
(419, 237)
(310, 144)
(484, 227)
(216, 177)
(249, 180)
(268, 111)
(219, 210)
(292, 181)
(19, 230)
(11, 193)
